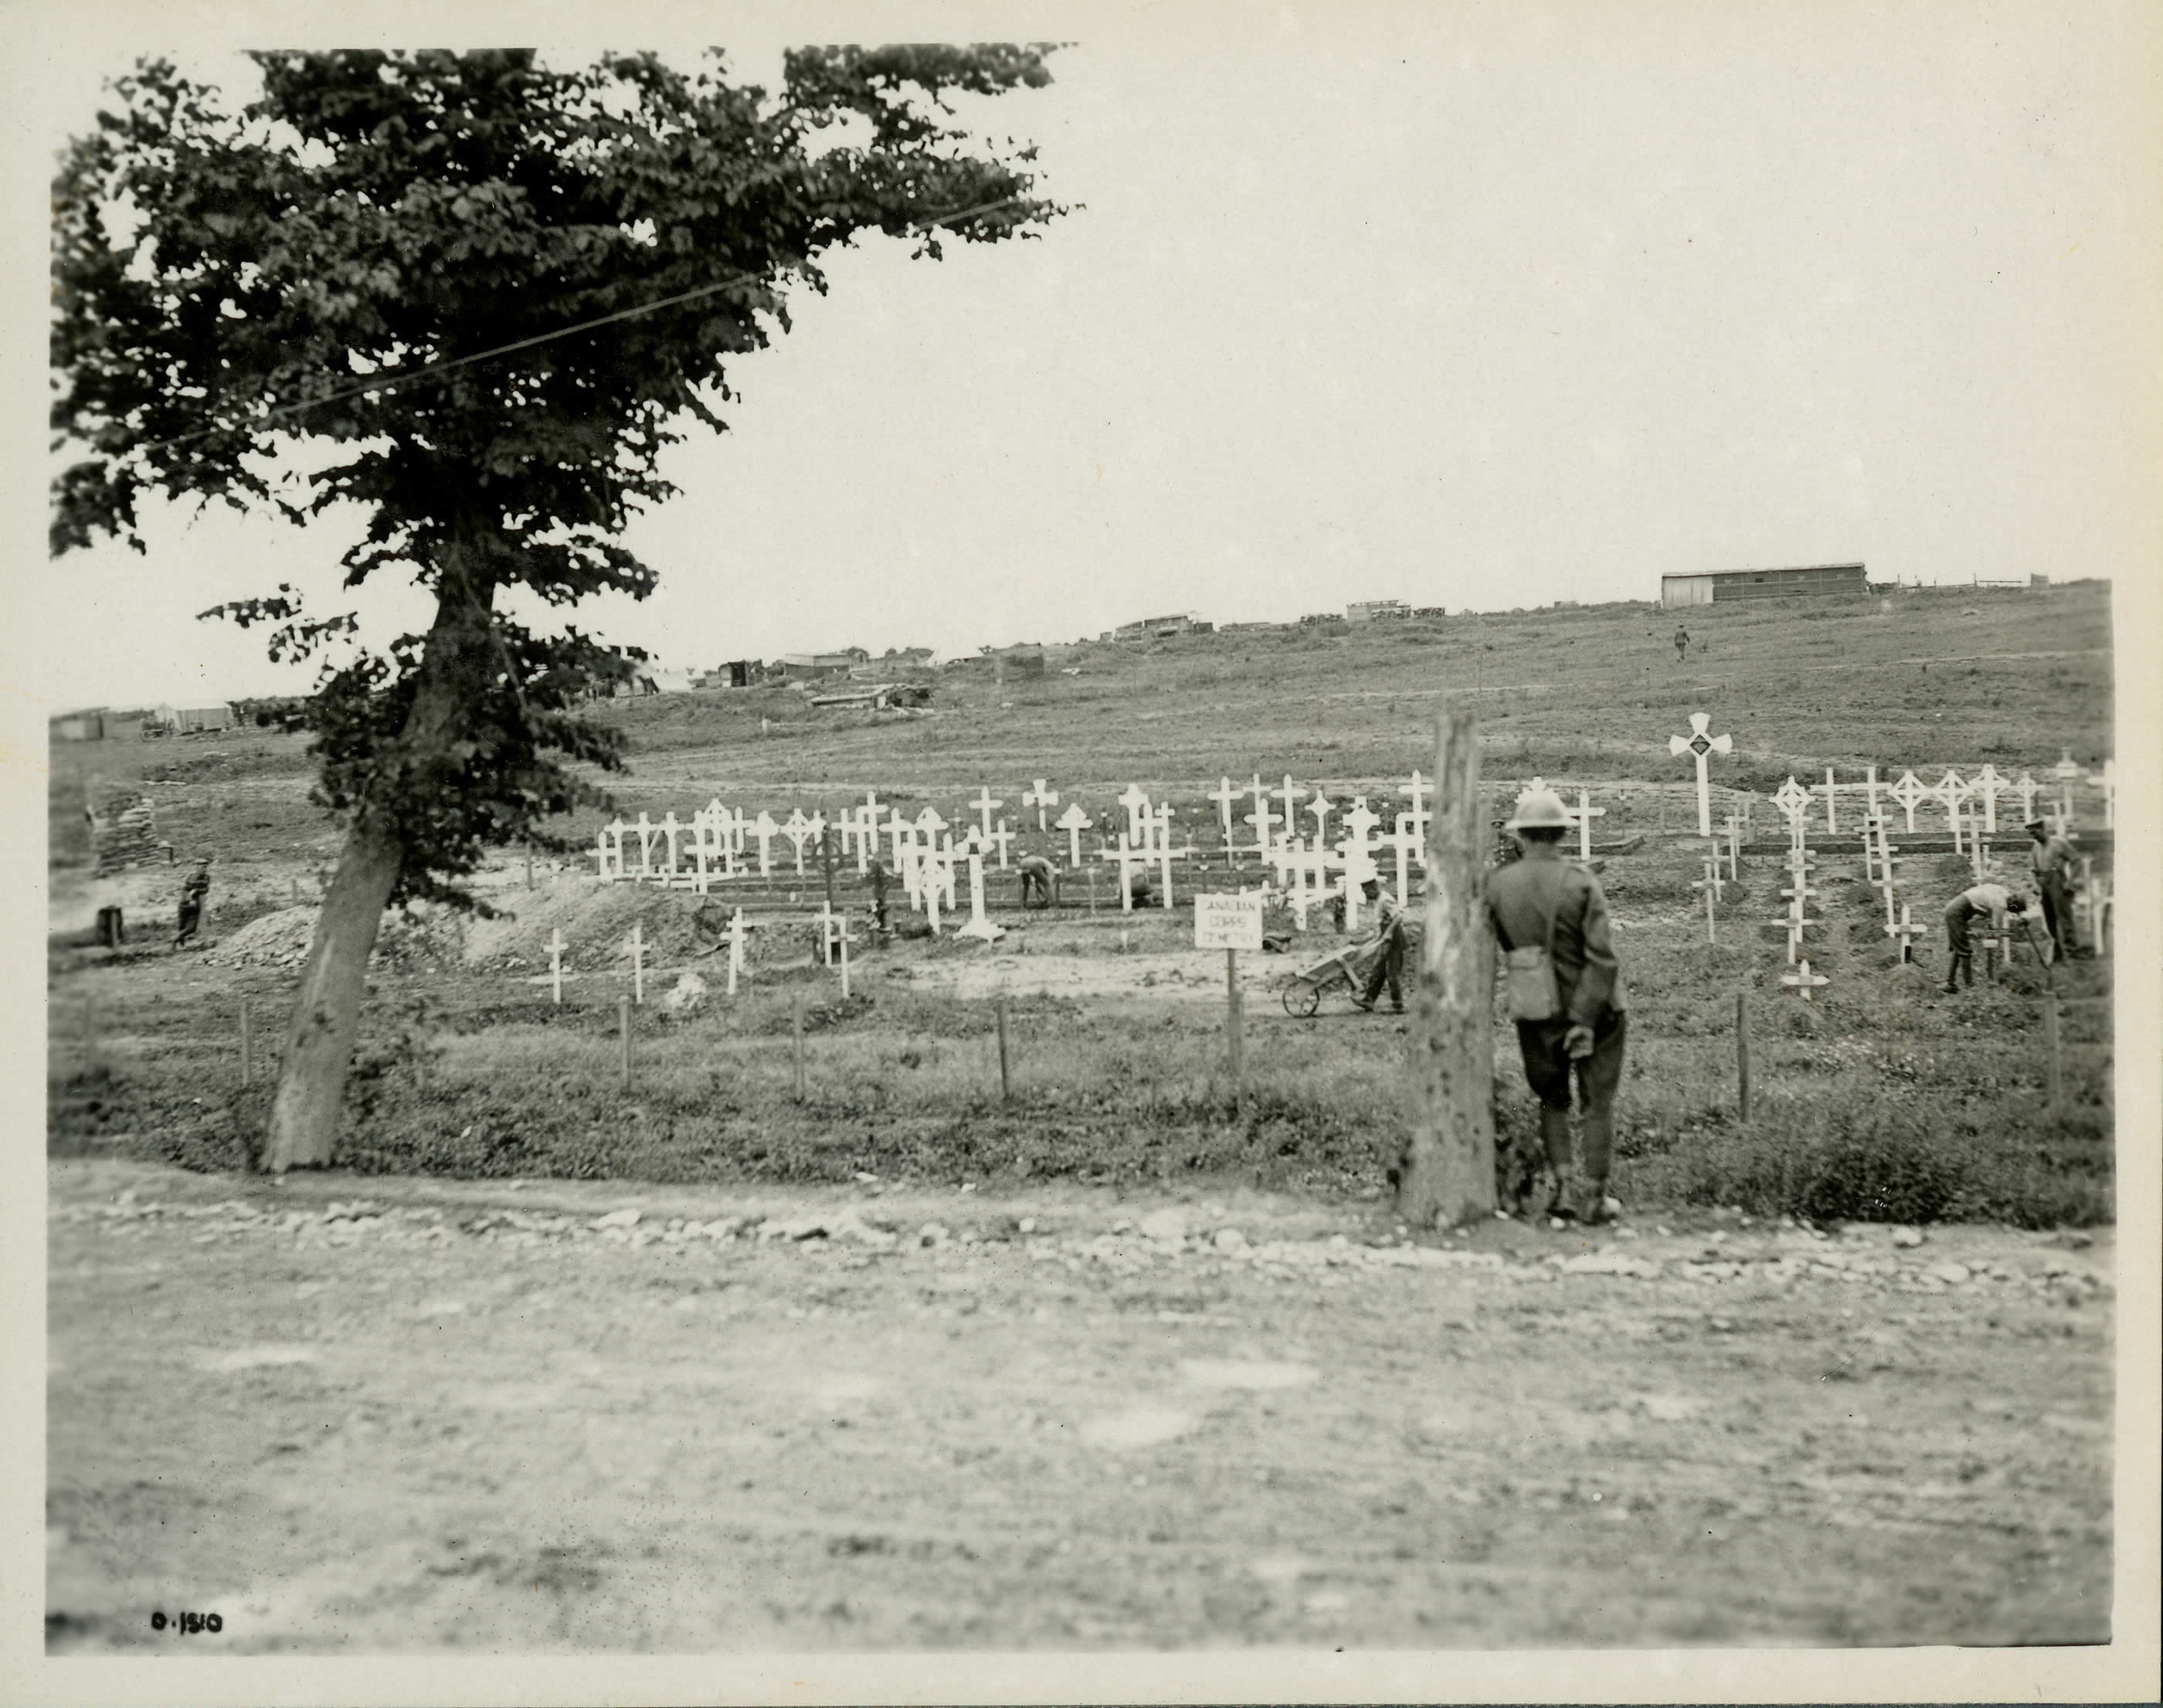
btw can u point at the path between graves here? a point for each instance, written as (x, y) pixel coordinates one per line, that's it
(387, 1413)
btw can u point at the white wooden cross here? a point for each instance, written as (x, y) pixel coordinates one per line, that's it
(1951, 790)
(556, 965)
(1870, 786)
(610, 851)
(1137, 803)
(1989, 785)
(1906, 932)
(1319, 809)
(1586, 813)
(798, 830)
(1701, 746)
(2067, 773)
(1290, 795)
(1292, 868)
(1832, 813)
(1417, 791)
(2096, 896)
(2109, 781)
(1074, 821)
(1128, 858)
(1040, 797)
(978, 925)
(1978, 850)
(1261, 819)
(1165, 853)
(928, 823)
(647, 831)
(1802, 981)
(1360, 825)
(1735, 822)
(670, 829)
(736, 950)
(1224, 795)
(984, 805)
(1910, 791)
(1408, 843)
(764, 829)
(828, 925)
(637, 964)
(1000, 838)
(1793, 801)
(1709, 883)
(1869, 829)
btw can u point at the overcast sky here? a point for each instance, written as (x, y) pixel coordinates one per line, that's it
(1485, 308)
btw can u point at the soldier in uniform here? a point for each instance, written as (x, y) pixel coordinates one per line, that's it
(195, 890)
(1550, 915)
(1682, 643)
(2050, 857)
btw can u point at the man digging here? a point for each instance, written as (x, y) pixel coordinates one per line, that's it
(195, 891)
(1991, 901)
(1565, 993)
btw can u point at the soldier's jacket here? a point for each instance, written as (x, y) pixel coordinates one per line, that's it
(1520, 899)
(2052, 859)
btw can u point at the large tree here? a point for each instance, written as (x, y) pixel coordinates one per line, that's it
(493, 286)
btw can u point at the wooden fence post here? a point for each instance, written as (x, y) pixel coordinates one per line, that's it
(1742, 1054)
(623, 1028)
(1447, 1174)
(1235, 1044)
(796, 1029)
(1006, 1082)
(2056, 1069)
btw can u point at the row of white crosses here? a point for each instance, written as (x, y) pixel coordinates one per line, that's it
(634, 945)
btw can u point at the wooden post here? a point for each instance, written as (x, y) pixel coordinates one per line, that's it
(89, 1035)
(844, 955)
(623, 1028)
(2055, 1070)
(1742, 1054)
(245, 1063)
(638, 963)
(1006, 1082)
(1447, 1174)
(1234, 1045)
(796, 1031)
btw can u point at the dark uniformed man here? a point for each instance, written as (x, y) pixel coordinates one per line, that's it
(1682, 643)
(1390, 964)
(1993, 901)
(195, 890)
(1545, 908)
(876, 870)
(2051, 857)
(1039, 878)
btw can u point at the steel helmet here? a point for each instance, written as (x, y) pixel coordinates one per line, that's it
(1539, 809)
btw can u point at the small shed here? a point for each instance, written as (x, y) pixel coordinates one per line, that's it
(813, 667)
(1722, 586)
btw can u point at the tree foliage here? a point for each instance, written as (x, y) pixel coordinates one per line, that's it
(345, 260)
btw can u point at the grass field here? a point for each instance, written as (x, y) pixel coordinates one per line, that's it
(1882, 1101)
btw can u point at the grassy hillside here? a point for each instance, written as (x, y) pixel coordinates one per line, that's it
(1932, 678)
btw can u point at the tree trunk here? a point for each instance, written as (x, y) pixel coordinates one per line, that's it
(1447, 1174)
(326, 1020)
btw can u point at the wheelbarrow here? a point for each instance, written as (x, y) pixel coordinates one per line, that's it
(1346, 970)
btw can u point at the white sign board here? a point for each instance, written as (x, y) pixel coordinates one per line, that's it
(1227, 921)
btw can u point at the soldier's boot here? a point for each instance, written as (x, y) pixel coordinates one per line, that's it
(1592, 1201)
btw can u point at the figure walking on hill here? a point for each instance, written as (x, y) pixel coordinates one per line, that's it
(1039, 878)
(1991, 900)
(1389, 963)
(2050, 857)
(195, 891)
(1549, 916)
(1682, 643)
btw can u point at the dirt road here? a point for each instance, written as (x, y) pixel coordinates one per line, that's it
(390, 1414)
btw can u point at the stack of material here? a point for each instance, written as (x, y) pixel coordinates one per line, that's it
(123, 831)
